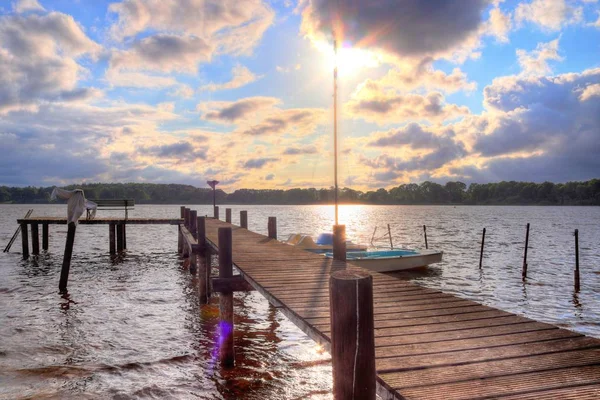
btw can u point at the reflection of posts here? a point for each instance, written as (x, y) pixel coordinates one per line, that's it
(226, 350)
(352, 335)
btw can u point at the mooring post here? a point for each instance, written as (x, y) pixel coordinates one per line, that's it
(244, 219)
(111, 238)
(576, 260)
(524, 273)
(186, 218)
(228, 215)
(179, 234)
(481, 252)
(45, 236)
(425, 235)
(194, 223)
(339, 242)
(66, 265)
(352, 335)
(119, 237)
(203, 268)
(35, 239)
(124, 227)
(272, 227)
(226, 298)
(216, 212)
(25, 241)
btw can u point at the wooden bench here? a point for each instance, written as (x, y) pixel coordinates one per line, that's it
(119, 204)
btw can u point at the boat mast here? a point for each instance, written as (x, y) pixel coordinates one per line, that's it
(335, 151)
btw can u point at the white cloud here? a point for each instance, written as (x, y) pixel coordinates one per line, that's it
(183, 91)
(21, 6)
(241, 76)
(138, 79)
(536, 61)
(499, 24)
(548, 14)
(590, 92)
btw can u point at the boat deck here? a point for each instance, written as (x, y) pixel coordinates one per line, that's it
(429, 344)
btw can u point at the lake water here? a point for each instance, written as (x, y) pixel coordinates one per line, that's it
(133, 327)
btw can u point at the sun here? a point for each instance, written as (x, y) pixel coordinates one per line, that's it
(350, 60)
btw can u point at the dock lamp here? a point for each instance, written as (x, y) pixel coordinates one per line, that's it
(213, 185)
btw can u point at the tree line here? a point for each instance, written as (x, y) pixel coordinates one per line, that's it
(500, 193)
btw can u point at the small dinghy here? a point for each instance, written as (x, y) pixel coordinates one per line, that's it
(392, 260)
(323, 244)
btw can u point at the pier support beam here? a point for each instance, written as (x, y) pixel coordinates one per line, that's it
(35, 239)
(339, 242)
(203, 266)
(244, 219)
(179, 234)
(352, 335)
(119, 238)
(216, 212)
(45, 236)
(111, 239)
(66, 265)
(228, 215)
(272, 227)
(226, 327)
(25, 241)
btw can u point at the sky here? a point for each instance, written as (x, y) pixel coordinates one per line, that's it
(185, 91)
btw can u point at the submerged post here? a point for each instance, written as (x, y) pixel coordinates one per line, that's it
(226, 299)
(111, 238)
(425, 235)
(35, 239)
(25, 241)
(352, 335)
(45, 236)
(228, 215)
(481, 252)
(339, 242)
(216, 212)
(272, 227)
(66, 265)
(203, 266)
(576, 277)
(119, 238)
(524, 273)
(244, 219)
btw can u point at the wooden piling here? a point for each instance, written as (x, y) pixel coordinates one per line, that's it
(124, 235)
(272, 227)
(576, 275)
(35, 239)
(228, 215)
(194, 223)
(186, 218)
(339, 242)
(45, 236)
(203, 268)
(244, 219)
(25, 241)
(66, 265)
(179, 234)
(119, 238)
(481, 252)
(216, 212)
(390, 236)
(425, 235)
(524, 273)
(226, 350)
(352, 335)
(111, 238)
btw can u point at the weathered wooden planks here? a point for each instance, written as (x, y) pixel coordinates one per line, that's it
(101, 221)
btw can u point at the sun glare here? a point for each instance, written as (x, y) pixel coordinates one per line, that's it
(350, 60)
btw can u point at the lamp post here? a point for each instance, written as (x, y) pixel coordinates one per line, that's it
(213, 184)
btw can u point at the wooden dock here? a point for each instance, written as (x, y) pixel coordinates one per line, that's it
(428, 344)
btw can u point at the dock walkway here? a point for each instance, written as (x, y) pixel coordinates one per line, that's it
(429, 344)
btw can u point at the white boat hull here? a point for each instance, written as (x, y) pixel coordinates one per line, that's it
(391, 264)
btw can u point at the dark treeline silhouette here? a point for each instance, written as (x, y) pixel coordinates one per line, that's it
(501, 193)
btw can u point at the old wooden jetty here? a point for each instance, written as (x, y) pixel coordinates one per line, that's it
(427, 344)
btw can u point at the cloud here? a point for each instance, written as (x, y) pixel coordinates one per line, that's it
(409, 28)
(182, 151)
(131, 79)
(372, 103)
(233, 112)
(257, 163)
(269, 177)
(590, 92)
(38, 60)
(183, 91)
(241, 76)
(499, 24)
(548, 14)
(299, 121)
(22, 6)
(285, 70)
(294, 151)
(536, 61)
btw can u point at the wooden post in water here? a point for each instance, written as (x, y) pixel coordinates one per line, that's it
(425, 234)
(352, 335)
(576, 276)
(339, 242)
(390, 236)
(35, 239)
(228, 215)
(194, 223)
(244, 219)
(45, 236)
(186, 218)
(119, 237)
(179, 234)
(481, 252)
(203, 268)
(216, 212)
(25, 241)
(272, 227)
(111, 238)
(124, 227)
(66, 265)
(226, 299)
(524, 273)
